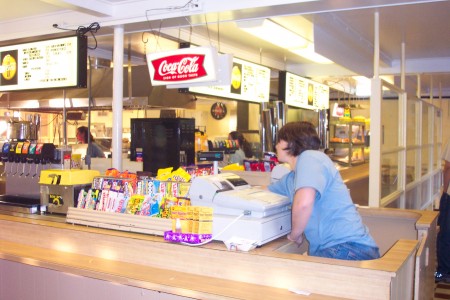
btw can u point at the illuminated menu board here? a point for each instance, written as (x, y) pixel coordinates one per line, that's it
(249, 82)
(53, 63)
(301, 92)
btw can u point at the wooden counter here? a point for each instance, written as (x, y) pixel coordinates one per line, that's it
(208, 272)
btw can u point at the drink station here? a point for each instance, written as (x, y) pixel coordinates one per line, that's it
(24, 159)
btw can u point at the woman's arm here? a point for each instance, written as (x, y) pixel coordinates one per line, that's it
(302, 208)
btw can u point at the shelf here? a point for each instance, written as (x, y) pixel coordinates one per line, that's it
(345, 145)
(118, 221)
(344, 160)
(344, 134)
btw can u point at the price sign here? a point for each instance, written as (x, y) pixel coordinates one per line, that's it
(53, 63)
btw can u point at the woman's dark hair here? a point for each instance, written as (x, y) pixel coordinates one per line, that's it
(243, 144)
(300, 136)
(84, 131)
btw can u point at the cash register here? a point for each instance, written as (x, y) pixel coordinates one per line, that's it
(240, 209)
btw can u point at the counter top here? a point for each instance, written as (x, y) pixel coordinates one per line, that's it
(209, 271)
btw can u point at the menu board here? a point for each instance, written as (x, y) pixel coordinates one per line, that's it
(249, 82)
(53, 63)
(301, 92)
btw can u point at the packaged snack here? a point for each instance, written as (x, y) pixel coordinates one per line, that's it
(180, 175)
(123, 204)
(154, 206)
(182, 201)
(180, 221)
(119, 203)
(92, 198)
(81, 199)
(251, 165)
(205, 220)
(101, 203)
(164, 174)
(111, 203)
(166, 204)
(134, 204)
(97, 183)
(163, 190)
(183, 189)
(112, 172)
(268, 165)
(146, 206)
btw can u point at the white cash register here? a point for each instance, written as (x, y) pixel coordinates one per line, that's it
(267, 215)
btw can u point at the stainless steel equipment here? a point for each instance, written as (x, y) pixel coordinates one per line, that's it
(24, 130)
(23, 162)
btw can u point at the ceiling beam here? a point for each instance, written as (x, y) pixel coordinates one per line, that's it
(91, 7)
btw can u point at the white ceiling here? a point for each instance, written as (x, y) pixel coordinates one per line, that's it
(344, 32)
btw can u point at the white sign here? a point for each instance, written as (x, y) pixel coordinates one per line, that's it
(305, 93)
(51, 63)
(183, 66)
(249, 82)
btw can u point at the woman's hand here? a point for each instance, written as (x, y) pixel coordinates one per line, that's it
(298, 240)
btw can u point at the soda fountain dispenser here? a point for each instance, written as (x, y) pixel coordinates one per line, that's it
(24, 158)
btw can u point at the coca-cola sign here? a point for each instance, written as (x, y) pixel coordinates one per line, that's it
(179, 67)
(186, 65)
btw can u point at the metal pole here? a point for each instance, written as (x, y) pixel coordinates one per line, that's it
(117, 105)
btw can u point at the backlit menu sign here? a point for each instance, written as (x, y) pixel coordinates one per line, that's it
(303, 93)
(249, 82)
(53, 63)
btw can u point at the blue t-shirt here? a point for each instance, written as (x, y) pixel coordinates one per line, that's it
(334, 219)
(237, 157)
(94, 150)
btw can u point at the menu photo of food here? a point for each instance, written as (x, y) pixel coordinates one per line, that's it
(8, 68)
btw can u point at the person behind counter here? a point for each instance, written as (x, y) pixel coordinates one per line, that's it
(244, 151)
(322, 209)
(93, 149)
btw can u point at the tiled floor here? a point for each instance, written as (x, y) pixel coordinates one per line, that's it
(442, 291)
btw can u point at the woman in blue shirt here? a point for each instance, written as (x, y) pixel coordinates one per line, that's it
(93, 148)
(244, 151)
(322, 209)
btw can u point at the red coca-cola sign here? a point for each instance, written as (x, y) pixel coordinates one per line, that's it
(179, 67)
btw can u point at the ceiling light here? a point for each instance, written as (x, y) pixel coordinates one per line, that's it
(309, 53)
(273, 33)
(280, 36)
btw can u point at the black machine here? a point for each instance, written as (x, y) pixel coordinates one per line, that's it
(162, 142)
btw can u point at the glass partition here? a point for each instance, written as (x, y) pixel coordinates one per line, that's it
(412, 141)
(437, 138)
(405, 153)
(391, 141)
(411, 159)
(390, 119)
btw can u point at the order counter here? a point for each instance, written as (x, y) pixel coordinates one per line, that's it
(44, 258)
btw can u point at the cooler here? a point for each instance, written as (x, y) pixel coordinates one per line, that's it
(59, 189)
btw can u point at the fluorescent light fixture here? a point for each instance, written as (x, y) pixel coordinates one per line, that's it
(59, 103)
(309, 53)
(278, 35)
(273, 33)
(363, 86)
